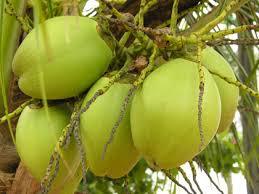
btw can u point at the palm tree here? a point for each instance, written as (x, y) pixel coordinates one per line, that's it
(148, 20)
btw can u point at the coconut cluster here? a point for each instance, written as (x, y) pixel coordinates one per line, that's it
(65, 56)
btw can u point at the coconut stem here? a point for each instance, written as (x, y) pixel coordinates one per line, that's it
(73, 127)
(226, 41)
(82, 152)
(16, 112)
(219, 18)
(141, 13)
(201, 93)
(148, 69)
(186, 179)
(174, 17)
(208, 175)
(47, 180)
(126, 35)
(126, 101)
(172, 178)
(63, 141)
(123, 110)
(183, 13)
(10, 10)
(194, 175)
(237, 84)
(105, 88)
(223, 33)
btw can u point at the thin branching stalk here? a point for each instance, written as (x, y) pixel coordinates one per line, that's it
(113, 10)
(140, 36)
(63, 141)
(212, 181)
(148, 69)
(48, 178)
(201, 93)
(208, 175)
(223, 33)
(126, 35)
(141, 13)
(219, 18)
(174, 17)
(172, 178)
(123, 111)
(105, 88)
(238, 84)
(126, 100)
(79, 143)
(183, 13)
(17, 111)
(73, 128)
(186, 179)
(194, 176)
(10, 10)
(226, 41)
(247, 109)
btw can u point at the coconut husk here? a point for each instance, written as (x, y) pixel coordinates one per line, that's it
(6, 180)
(23, 182)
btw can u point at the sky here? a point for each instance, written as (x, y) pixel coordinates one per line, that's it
(239, 185)
(238, 180)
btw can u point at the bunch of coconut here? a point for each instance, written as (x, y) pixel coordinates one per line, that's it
(65, 57)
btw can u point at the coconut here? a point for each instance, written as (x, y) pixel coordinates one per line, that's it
(164, 114)
(213, 61)
(61, 58)
(37, 132)
(96, 125)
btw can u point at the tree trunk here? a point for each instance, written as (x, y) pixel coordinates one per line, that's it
(250, 124)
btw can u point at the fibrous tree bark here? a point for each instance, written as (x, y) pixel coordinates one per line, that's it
(249, 120)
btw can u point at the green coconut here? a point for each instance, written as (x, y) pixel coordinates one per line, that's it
(164, 114)
(61, 58)
(37, 133)
(96, 124)
(213, 61)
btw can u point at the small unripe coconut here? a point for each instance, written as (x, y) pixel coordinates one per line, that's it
(164, 114)
(96, 125)
(213, 61)
(61, 58)
(37, 133)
